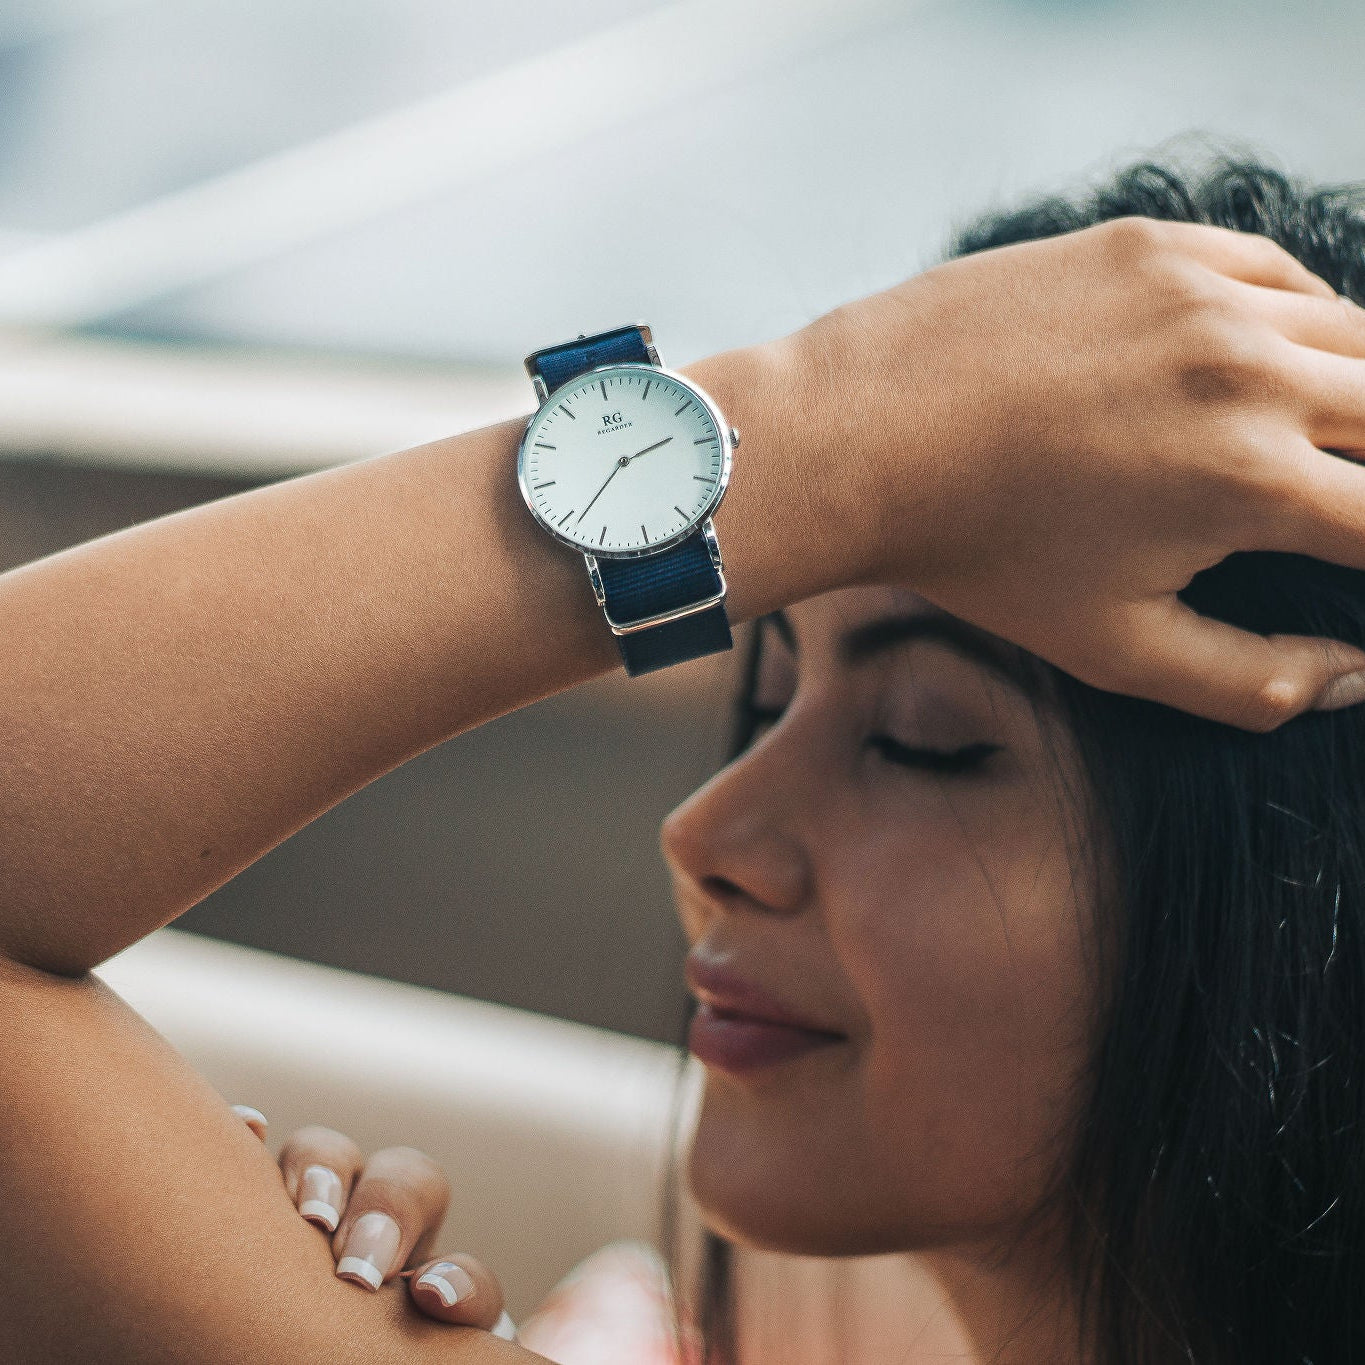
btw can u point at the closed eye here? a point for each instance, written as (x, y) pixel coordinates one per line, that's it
(961, 760)
(965, 759)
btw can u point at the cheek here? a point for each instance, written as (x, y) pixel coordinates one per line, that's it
(959, 930)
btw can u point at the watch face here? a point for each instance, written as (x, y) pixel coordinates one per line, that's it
(624, 460)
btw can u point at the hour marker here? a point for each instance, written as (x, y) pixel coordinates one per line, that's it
(644, 535)
(645, 395)
(543, 445)
(701, 478)
(604, 390)
(546, 484)
(700, 441)
(566, 516)
(678, 410)
(602, 539)
(679, 511)
(566, 412)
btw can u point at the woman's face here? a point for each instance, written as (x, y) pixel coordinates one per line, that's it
(917, 916)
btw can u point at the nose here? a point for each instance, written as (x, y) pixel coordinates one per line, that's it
(735, 843)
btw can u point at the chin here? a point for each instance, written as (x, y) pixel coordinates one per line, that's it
(770, 1195)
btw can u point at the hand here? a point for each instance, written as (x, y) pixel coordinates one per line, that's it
(1051, 439)
(383, 1215)
(620, 464)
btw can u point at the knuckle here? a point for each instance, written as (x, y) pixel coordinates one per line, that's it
(409, 1164)
(413, 1155)
(314, 1134)
(1275, 701)
(1278, 259)
(386, 1194)
(1133, 238)
(314, 1140)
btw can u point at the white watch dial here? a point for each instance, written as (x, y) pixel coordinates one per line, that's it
(622, 459)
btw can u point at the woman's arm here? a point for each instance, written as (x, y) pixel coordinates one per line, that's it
(178, 698)
(145, 1225)
(1049, 440)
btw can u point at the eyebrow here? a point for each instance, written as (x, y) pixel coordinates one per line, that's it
(866, 641)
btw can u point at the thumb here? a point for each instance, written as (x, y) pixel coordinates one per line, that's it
(1223, 673)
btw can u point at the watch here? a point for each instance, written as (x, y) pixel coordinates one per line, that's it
(625, 462)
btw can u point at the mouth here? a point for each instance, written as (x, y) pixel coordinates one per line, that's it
(738, 1042)
(738, 1028)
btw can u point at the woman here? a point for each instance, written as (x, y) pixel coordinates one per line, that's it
(918, 869)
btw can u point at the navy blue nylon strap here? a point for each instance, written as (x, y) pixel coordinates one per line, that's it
(653, 584)
(689, 637)
(556, 365)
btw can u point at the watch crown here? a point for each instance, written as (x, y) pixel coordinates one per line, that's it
(734, 437)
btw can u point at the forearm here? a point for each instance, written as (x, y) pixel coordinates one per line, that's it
(145, 1225)
(178, 698)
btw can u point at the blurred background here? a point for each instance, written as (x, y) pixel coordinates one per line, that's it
(242, 240)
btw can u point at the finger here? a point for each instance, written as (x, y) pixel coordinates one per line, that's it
(254, 1119)
(1246, 256)
(457, 1288)
(1336, 325)
(1212, 669)
(1333, 394)
(395, 1210)
(1315, 506)
(319, 1166)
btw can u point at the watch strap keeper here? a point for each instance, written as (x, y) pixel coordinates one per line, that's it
(651, 585)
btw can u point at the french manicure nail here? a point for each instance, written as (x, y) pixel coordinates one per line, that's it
(1344, 691)
(450, 1281)
(253, 1118)
(320, 1196)
(370, 1249)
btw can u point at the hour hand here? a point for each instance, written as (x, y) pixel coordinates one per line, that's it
(647, 449)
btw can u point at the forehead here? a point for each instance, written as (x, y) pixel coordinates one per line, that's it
(856, 626)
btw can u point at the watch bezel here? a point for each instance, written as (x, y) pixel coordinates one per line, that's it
(659, 546)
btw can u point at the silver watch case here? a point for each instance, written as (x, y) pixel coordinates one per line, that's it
(729, 438)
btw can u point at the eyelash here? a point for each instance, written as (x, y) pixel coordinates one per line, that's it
(951, 761)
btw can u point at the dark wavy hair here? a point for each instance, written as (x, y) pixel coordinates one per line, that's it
(1215, 1192)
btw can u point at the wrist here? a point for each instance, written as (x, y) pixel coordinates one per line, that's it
(783, 525)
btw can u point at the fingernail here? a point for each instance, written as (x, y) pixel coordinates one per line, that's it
(1344, 691)
(450, 1281)
(370, 1249)
(255, 1120)
(320, 1196)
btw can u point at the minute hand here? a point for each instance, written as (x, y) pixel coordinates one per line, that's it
(615, 469)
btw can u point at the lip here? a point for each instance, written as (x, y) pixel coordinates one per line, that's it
(738, 1027)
